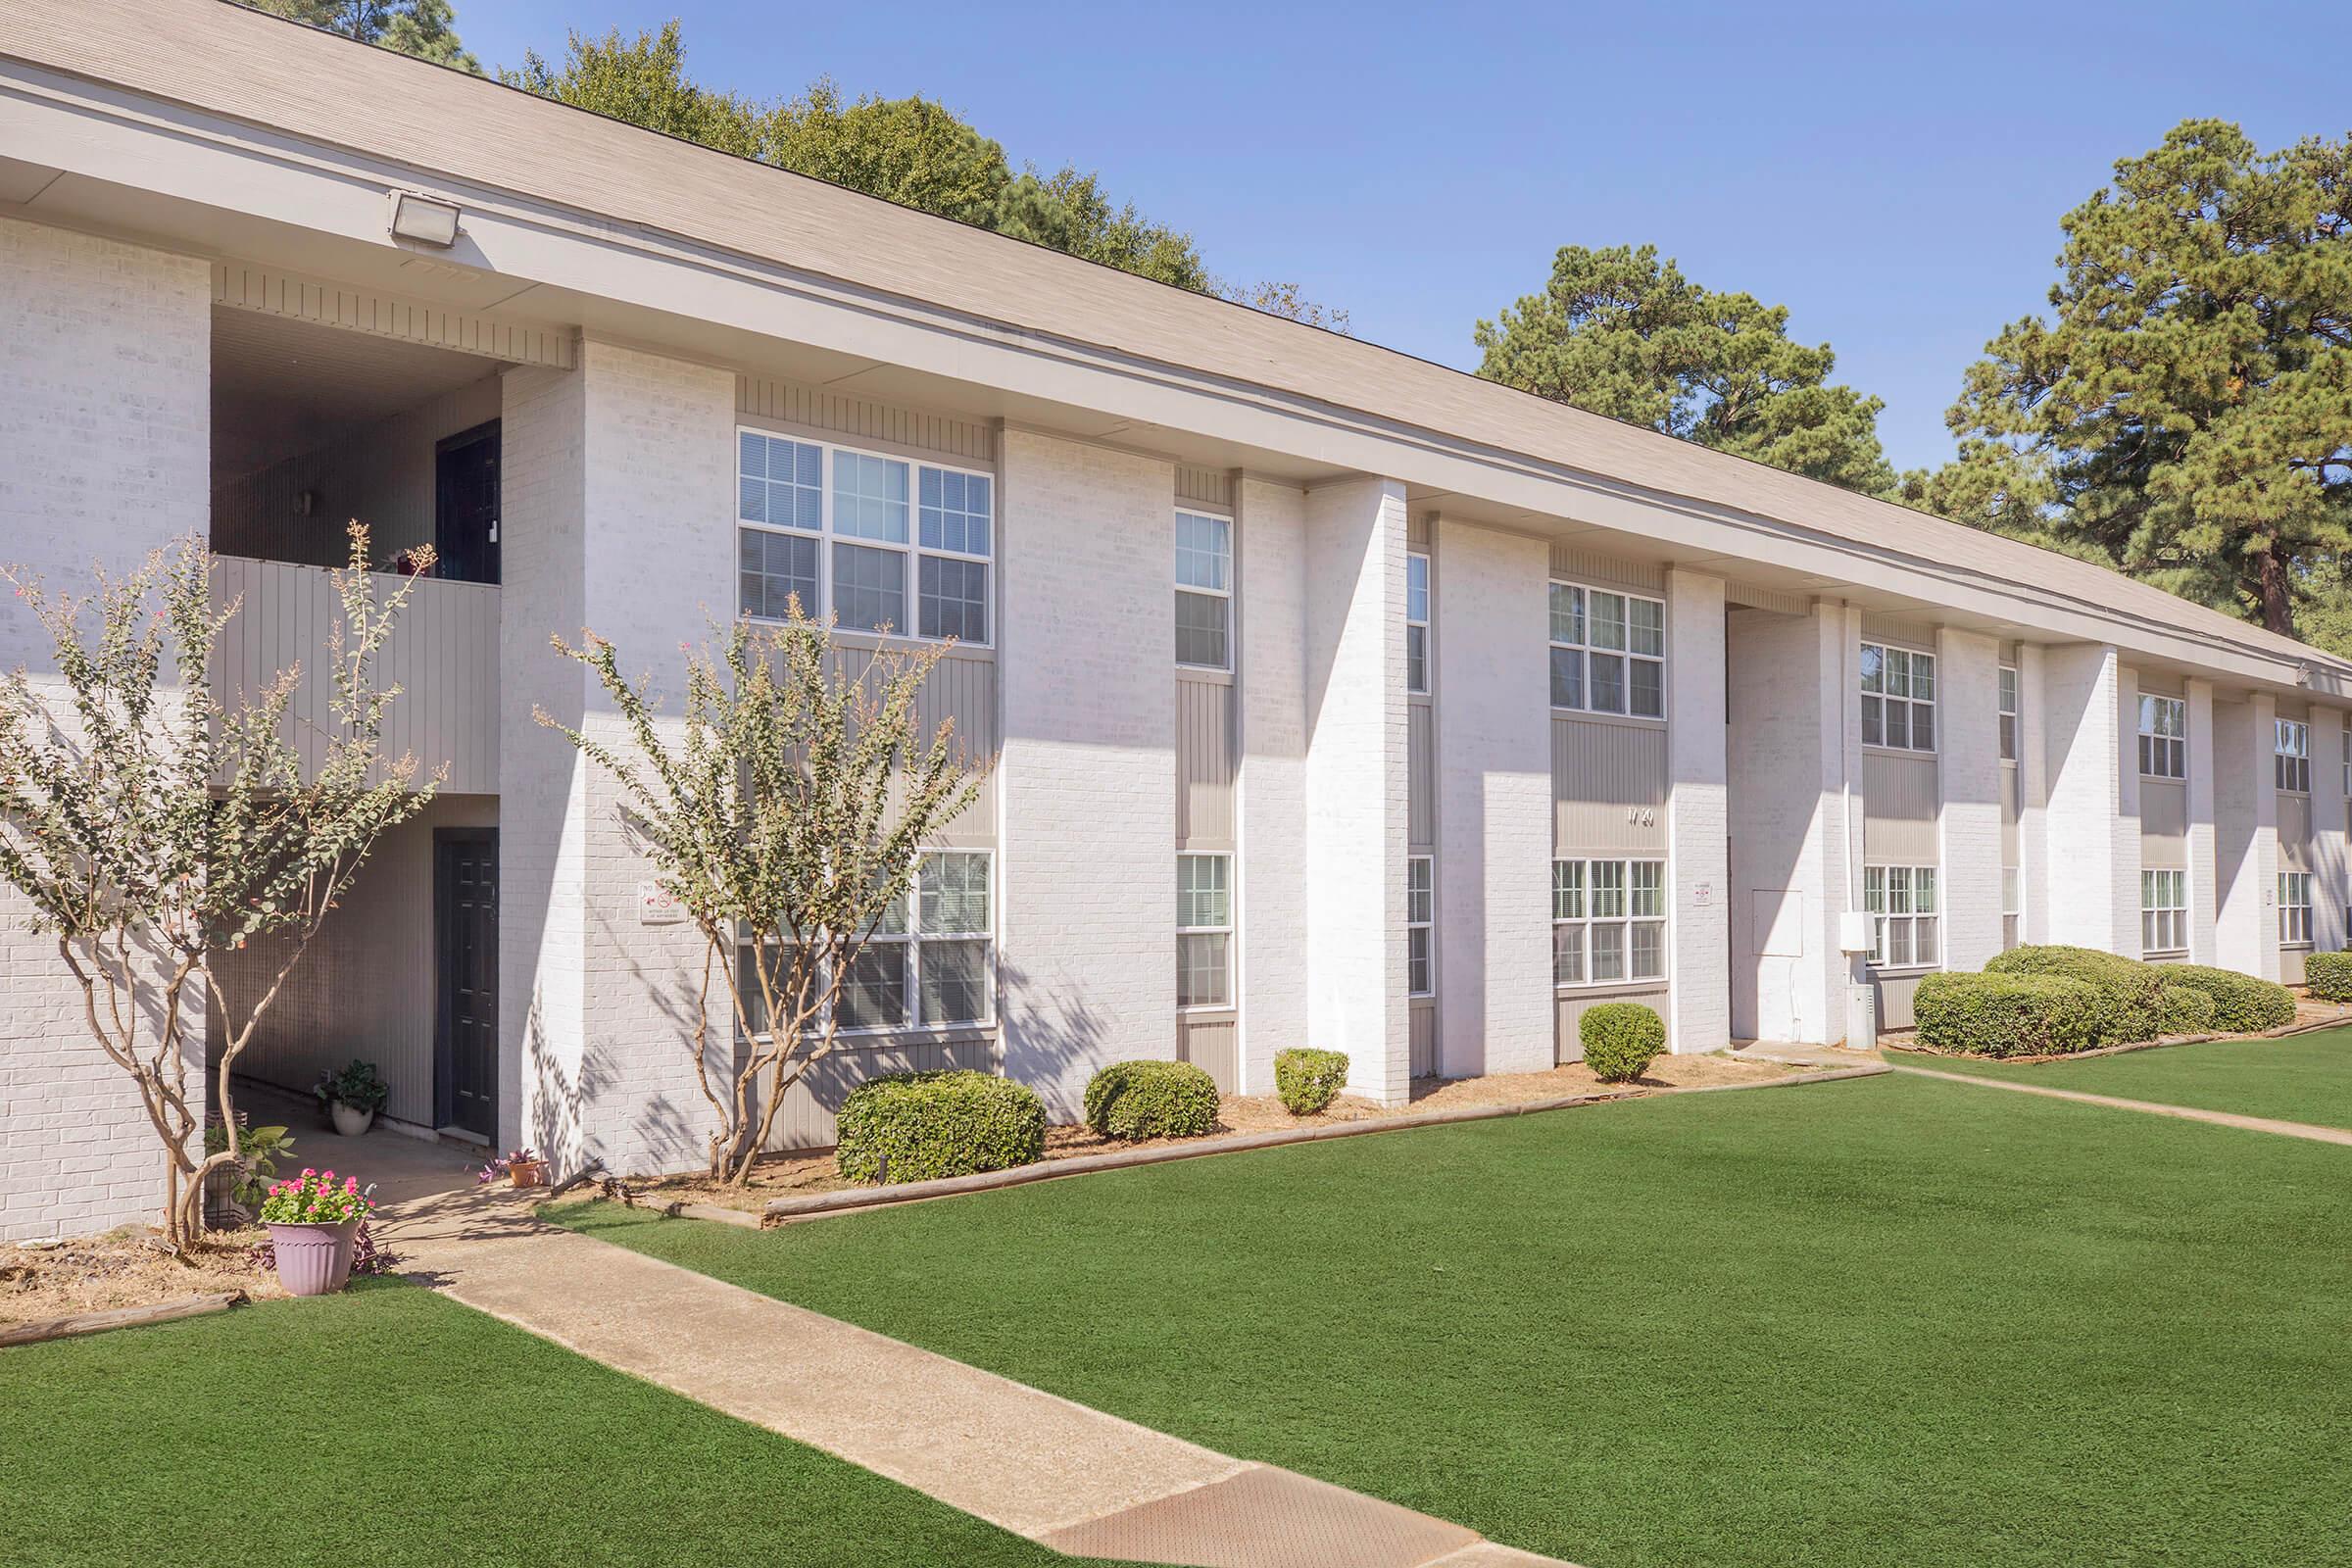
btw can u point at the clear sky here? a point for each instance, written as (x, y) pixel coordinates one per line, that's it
(1894, 174)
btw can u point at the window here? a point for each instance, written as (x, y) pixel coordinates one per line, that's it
(1609, 652)
(2008, 714)
(927, 961)
(2294, 908)
(1608, 921)
(2345, 735)
(1203, 930)
(2013, 907)
(2163, 736)
(885, 517)
(1902, 901)
(1416, 623)
(2292, 763)
(1204, 591)
(2163, 912)
(1898, 698)
(1419, 906)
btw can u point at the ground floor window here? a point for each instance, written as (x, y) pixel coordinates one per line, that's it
(1608, 921)
(1902, 901)
(1420, 978)
(2013, 907)
(2163, 912)
(1204, 930)
(928, 963)
(2294, 908)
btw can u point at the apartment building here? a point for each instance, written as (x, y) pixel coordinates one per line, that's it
(1334, 697)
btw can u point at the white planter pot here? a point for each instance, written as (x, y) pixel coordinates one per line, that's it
(351, 1121)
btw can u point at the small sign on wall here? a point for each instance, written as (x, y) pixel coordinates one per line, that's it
(655, 906)
(1703, 895)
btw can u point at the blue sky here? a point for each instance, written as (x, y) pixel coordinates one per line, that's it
(1894, 174)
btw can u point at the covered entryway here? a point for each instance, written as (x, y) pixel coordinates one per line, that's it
(465, 971)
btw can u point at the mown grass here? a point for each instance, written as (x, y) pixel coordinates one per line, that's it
(1889, 1322)
(2306, 1078)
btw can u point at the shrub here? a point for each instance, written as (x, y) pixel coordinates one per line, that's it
(2329, 976)
(2127, 993)
(2242, 1004)
(1996, 1014)
(2186, 1010)
(910, 1127)
(1151, 1099)
(1308, 1080)
(1621, 1039)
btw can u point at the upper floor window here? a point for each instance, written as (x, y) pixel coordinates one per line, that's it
(1608, 921)
(2008, 714)
(2291, 762)
(1609, 652)
(1898, 698)
(1419, 910)
(2345, 735)
(1416, 623)
(1204, 591)
(861, 536)
(1901, 902)
(2163, 736)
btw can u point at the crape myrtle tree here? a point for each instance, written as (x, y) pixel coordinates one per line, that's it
(784, 810)
(151, 828)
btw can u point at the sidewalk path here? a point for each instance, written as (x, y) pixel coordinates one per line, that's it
(1073, 1478)
(2220, 1118)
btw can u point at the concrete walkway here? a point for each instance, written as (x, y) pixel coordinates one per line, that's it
(2219, 1118)
(1073, 1478)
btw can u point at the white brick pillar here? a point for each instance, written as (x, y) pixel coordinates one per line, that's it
(1355, 782)
(1089, 772)
(619, 481)
(1968, 708)
(1270, 807)
(2203, 902)
(2245, 811)
(2033, 792)
(2329, 919)
(106, 426)
(2093, 849)
(1697, 820)
(1495, 811)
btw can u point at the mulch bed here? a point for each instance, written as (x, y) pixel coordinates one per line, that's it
(125, 1268)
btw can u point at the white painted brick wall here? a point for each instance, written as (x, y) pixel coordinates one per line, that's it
(1697, 821)
(1357, 781)
(1089, 775)
(1968, 708)
(2328, 829)
(2203, 901)
(2033, 790)
(2093, 849)
(1494, 810)
(2245, 836)
(1271, 804)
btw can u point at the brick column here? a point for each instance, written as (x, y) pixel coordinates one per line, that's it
(1270, 810)
(2329, 863)
(1969, 821)
(2034, 791)
(2245, 810)
(2093, 849)
(1699, 870)
(2203, 901)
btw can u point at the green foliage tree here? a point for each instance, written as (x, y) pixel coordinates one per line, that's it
(425, 29)
(151, 827)
(1623, 334)
(790, 800)
(2191, 399)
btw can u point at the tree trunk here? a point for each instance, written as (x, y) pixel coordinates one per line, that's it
(2278, 598)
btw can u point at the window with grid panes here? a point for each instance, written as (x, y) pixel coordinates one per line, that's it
(1902, 905)
(1609, 652)
(2163, 911)
(1608, 921)
(2163, 736)
(2291, 755)
(1420, 894)
(1204, 591)
(1203, 930)
(1898, 698)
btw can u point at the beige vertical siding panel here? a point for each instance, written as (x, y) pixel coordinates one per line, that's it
(1421, 779)
(2163, 824)
(246, 286)
(1895, 993)
(805, 1120)
(1772, 599)
(853, 420)
(1418, 531)
(1204, 487)
(1425, 1036)
(1204, 763)
(1901, 799)
(1569, 1013)
(1609, 784)
(1899, 629)
(1587, 566)
(2294, 830)
(1211, 1043)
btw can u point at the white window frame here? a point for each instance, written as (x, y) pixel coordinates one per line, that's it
(2013, 907)
(2163, 736)
(1638, 884)
(1225, 859)
(915, 938)
(2291, 757)
(1416, 628)
(1584, 651)
(2345, 736)
(2163, 911)
(2294, 908)
(1223, 595)
(1881, 702)
(910, 551)
(1420, 925)
(2009, 709)
(1892, 895)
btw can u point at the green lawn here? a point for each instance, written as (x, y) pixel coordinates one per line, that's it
(2301, 1078)
(392, 1425)
(1889, 1322)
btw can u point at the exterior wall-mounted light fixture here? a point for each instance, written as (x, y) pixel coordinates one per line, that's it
(424, 220)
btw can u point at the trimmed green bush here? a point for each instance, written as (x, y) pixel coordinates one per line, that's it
(913, 1126)
(1621, 1039)
(2242, 1004)
(2127, 993)
(1308, 1080)
(2186, 1010)
(1151, 1099)
(2328, 976)
(1994, 1014)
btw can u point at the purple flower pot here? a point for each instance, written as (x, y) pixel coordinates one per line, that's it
(314, 1259)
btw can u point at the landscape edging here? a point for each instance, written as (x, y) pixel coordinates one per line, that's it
(118, 1317)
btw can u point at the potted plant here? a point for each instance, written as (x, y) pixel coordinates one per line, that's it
(235, 1192)
(314, 1225)
(352, 1096)
(522, 1168)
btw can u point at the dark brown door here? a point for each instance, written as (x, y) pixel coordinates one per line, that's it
(466, 928)
(465, 505)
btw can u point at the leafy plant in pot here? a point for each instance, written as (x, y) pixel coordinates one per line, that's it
(313, 1226)
(351, 1096)
(521, 1167)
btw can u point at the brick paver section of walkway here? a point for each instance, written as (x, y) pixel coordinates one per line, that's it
(2220, 1118)
(1031, 1462)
